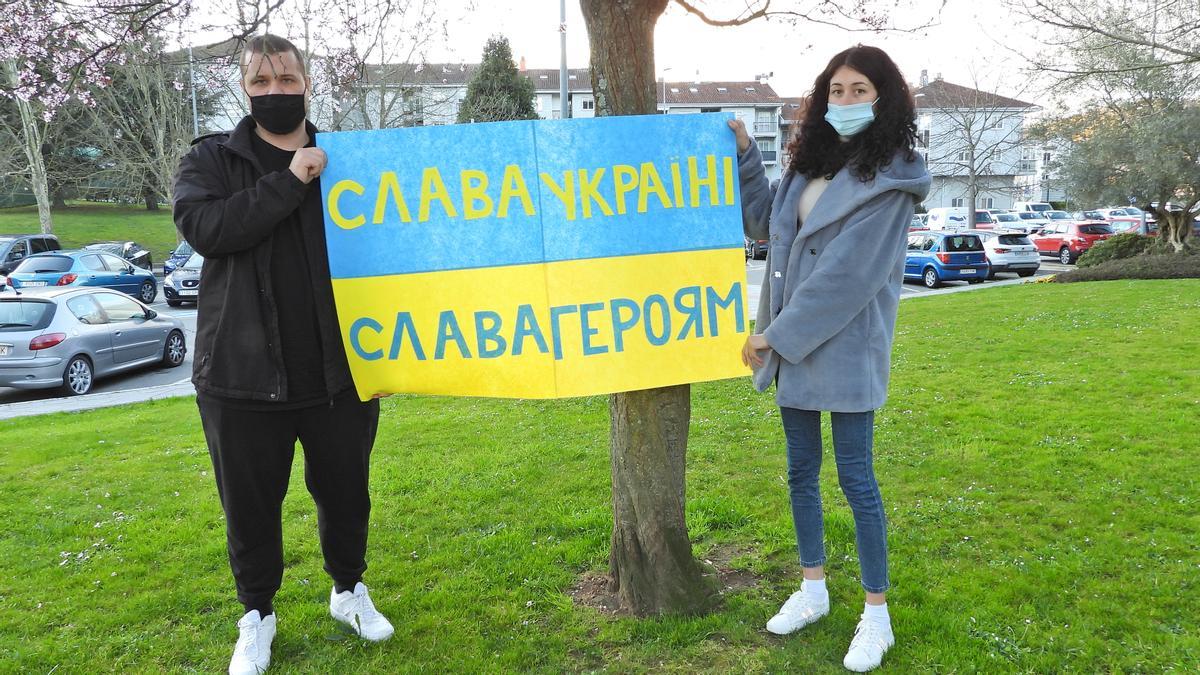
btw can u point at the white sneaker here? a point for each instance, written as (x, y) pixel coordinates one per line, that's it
(252, 654)
(871, 639)
(355, 609)
(798, 611)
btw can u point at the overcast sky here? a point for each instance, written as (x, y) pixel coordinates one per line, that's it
(972, 41)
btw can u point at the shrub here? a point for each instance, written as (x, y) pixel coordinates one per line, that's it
(1184, 265)
(1115, 248)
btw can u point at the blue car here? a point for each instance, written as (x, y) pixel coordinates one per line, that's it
(177, 257)
(84, 268)
(935, 257)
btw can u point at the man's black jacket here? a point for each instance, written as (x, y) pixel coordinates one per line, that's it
(228, 210)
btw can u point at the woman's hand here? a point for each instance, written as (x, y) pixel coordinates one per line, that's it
(739, 131)
(754, 344)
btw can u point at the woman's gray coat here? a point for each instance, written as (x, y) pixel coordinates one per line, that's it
(831, 289)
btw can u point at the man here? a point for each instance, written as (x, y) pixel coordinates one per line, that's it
(269, 365)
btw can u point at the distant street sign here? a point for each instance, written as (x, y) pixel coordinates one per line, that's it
(1132, 200)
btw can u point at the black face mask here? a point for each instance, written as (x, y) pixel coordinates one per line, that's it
(278, 113)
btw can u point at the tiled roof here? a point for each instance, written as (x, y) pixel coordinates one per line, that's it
(940, 94)
(716, 93)
(791, 108)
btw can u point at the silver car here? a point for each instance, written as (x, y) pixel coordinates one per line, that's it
(68, 337)
(183, 283)
(1009, 251)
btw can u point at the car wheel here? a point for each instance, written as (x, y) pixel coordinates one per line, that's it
(931, 278)
(148, 292)
(77, 378)
(174, 350)
(1025, 274)
(1064, 256)
(174, 303)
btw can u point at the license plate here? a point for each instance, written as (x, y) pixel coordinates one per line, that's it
(32, 284)
(967, 271)
(5, 350)
(187, 291)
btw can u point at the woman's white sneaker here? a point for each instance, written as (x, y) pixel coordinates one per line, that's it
(871, 639)
(355, 609)
(798, 611)
(252, 654)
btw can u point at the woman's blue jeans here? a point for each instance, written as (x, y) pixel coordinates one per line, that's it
(852, 438)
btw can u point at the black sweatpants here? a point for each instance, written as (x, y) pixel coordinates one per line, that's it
(252, 453)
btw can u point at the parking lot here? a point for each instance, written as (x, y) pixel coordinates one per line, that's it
(756, 268)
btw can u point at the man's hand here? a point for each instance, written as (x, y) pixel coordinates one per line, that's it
(308, 163)
(754, 344)
(739, 131)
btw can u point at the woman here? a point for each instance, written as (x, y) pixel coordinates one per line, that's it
(837, 227)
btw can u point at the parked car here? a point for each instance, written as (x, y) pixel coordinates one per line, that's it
(1055, 215)
(1068, 240)
(916, 223)
(131, 251)
(183, 284)
(955, 218)
(756, 249)
(935, 257)
(70, 336)
(15, 247)
(1127, 225)
(1007, 220)
(84, 268)
(1009, 252)
(1087, 215)
(1032, 206)
(1031, 222)
(177, 257)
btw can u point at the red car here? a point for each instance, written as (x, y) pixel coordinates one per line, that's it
(1067, 240)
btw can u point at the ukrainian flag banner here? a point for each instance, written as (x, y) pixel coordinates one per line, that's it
(537, 259)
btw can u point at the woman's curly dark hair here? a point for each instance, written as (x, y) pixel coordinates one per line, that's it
(817, 151)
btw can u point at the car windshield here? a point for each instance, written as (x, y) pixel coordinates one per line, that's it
(20, 314)
(1039, 207)
(1007, 217)
(1095, 229)
(1132, 211)
(183, 249)
(44, 263)
(983, 217)
(963, 242)
(1058, 215)
(1029, 215)
(195, 261)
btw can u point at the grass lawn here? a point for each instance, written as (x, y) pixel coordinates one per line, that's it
(86, 222)
(1039, 458)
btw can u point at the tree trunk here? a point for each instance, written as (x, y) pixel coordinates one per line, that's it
(31, 134)
(150, 198)
(651, 567)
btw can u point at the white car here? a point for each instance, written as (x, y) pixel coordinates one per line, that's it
(1032, 222)
(1009, 251)
(1007, 220)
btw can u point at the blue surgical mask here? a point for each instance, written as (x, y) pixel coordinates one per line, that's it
(848, 120)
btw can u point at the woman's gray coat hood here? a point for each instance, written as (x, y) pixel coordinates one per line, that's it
(831, 288)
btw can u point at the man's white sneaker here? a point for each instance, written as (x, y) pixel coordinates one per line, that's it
(355, 609)
(252, 654)
(871, 639)
(798, 611)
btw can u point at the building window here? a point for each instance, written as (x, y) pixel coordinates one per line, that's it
(589, 104)
(962, 155)
(708, 110)
(957, 201)
(923, 140)
(1045, 156)
(987, 203)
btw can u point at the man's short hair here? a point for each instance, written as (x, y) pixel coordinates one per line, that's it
(270, 45)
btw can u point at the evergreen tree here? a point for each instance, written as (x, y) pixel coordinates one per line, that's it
(497, 91)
